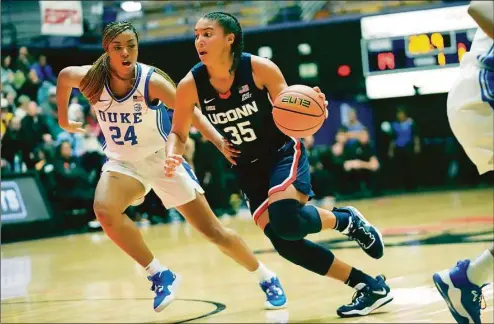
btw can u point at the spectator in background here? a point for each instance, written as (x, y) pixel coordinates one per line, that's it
(322, 183)
(353, 129)
(10, 97)
(21, 111)
(11, 145)
(50, 111)
(31, 86)
(33, 132)
(23, 62)
(6, 115)
(403, 150)
(19, 80)
(361, 166)
(73, 186)
(7, 72)
(354, 165)
(44, 71)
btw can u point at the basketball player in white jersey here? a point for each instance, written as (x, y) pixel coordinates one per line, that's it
(131, 101)
(471, 117)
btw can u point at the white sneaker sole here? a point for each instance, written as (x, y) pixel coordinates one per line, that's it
(170, 298)
(366, 311)
(268, 305)
(452, 296)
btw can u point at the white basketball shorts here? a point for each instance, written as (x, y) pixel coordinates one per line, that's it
(471, 114)
(173, 192)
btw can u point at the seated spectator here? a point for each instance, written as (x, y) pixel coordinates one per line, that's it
(23, 62)
(31, 86)
(11, 146)
(44, 71)
(10, 97)
(33, 132)
(23, 103)
(50, 111)
(19, 80)
(73, 189)
(6, 115)
(360, 167)
(7, 72)
(321, 180)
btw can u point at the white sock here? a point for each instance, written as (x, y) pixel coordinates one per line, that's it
(480, 269)
(264, 273)
(154, 267)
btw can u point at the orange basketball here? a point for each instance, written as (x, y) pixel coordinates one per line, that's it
(298, 111)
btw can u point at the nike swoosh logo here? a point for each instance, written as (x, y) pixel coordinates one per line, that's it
(380, 292)
(103, 100)
(208, 101)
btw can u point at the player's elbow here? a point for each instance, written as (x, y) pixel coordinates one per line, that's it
(180, 135)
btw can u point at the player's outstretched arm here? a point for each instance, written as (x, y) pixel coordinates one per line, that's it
(483, 14)
(70, 77)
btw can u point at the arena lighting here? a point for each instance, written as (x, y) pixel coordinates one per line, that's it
(131, 6)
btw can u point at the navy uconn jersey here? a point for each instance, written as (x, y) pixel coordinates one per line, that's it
(133, 128)
(245, 117)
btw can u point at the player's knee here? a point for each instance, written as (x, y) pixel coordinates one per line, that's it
(284, 217)
(106, 213)
(285, 248)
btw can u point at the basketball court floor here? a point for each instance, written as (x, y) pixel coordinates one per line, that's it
(86, 278)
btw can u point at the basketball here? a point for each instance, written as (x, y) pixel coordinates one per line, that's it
(298, 111)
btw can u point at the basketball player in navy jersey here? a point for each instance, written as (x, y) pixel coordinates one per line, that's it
(233, 90)
(471, 117)
(131, 101)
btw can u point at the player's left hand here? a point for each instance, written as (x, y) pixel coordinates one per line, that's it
(323, 97)
(171, 163)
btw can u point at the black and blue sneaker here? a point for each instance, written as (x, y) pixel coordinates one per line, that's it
(165, 286)
(367, 299)
(364, 233)
(464, 299)
(275, 295)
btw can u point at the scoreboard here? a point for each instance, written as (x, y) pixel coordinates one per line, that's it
(414, 51)
(423, 51)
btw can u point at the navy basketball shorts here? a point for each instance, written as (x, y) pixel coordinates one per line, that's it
(266, 176)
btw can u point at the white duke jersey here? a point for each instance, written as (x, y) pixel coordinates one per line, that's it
(482, 50)
(133, 128)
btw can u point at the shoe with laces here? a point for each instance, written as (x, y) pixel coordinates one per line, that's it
(364, 233)
(165, 286)
(464, 299)
(275, 295)
(367, 299)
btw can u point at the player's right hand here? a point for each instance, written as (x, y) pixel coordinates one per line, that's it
(171, 163)
(73, 127)
(229, 151)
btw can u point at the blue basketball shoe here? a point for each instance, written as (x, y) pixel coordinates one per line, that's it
(165, 286)
(367, 299)
(364, 233)
(464, 299)
(275, 296)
